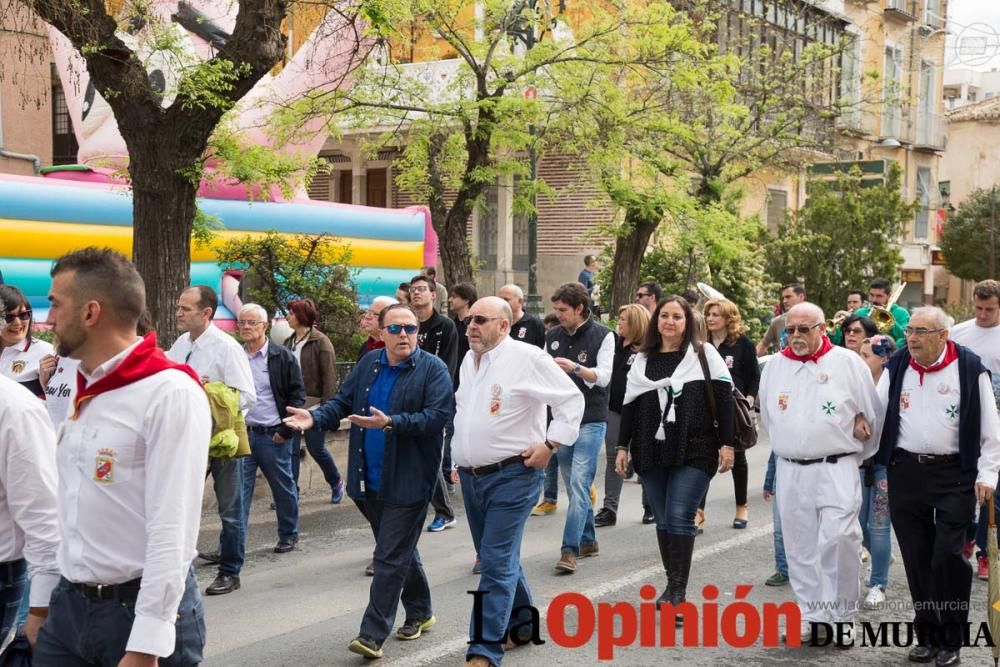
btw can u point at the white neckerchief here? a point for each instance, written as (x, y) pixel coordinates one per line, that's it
(688, 370)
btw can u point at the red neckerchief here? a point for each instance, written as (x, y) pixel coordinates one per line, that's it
(372, 344)
(825, 347)
(950, 355)
(145, 360)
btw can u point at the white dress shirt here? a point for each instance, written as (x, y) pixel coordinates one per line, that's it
(20, 362)
(217, 356)
(29, 527)
(929, 416)
(131, 477)
(501, 404)
(605, 362)
(808, 408)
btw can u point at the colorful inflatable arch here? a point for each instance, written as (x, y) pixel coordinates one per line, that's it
(44, 218)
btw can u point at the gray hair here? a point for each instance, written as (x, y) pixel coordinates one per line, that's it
(382, 301)
(257, 309)
(938, 316)
(808, 308)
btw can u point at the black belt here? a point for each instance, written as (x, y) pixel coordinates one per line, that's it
(13, 570)
(125, 592)
(832, 458)
(900, 454)
(493, 467)
(253, 428)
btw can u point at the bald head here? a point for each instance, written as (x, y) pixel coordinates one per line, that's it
(514, 297)
(493, 306)
(805, 325)
(486, 334)
(808, 312)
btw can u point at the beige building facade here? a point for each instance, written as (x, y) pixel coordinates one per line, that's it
(25, 94)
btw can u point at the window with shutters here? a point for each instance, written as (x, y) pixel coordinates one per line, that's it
(892, 92)
(520, 237)
(922, 223)
(777, 205)
(487, 215)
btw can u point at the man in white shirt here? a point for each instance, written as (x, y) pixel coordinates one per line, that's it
(215, 355)
(131, 463)
(819, 406)
(941, 441)
(981, 334)
(29, 526)
(501, 446)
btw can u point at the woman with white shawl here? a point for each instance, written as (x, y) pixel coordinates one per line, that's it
(676, 444)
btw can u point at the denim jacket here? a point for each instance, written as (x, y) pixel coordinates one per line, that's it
(423, 401)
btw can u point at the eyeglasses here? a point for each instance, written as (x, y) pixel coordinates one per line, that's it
(854, 330)
(24, 316)
(394, 329)
(478, 319)
(419, 289)
(919, 331)
(640, 295)
(802, 329)
(249, 323)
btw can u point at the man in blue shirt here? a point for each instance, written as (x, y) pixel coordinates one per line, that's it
(398, 400)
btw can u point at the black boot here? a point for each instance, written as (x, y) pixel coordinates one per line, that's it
(663, 540)
(681, 551)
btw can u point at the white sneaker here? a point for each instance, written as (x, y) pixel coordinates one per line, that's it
(875, 598)
(864, 555)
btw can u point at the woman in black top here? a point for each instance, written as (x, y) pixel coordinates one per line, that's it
(856, 329)
(633, 320)
(725, 334)
(667, 426)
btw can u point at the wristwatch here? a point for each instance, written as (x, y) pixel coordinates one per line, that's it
(388, 427)
(576, 370)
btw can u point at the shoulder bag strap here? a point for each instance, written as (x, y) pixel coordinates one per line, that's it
(708, 389)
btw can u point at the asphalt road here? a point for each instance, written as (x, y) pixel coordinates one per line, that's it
(303, 608)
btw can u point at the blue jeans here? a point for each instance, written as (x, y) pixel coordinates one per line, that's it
(674, 494)
(578, 465)
(497, 506)
(316, 446)
(780, 562)
(876, 529)
(550, 491)
(81, 632)
(227, 480)
(399, 574)
(13, 580)
(275, 461)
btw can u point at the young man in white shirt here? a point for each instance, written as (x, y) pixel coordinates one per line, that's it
(501, 445)
(29, 526)
(131, 462)
(215, 355)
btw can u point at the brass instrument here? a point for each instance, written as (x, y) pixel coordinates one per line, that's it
(882, 315)
(837, 320)
(710, 293)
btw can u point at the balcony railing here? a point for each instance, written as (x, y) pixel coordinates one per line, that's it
(905, 10)
(930, 132)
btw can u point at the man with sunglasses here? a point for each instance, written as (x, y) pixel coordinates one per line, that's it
(774, 338)
(941, 442)
(819, 406)
(648, 295)
(398, 401)
(20, 352)
(501, 445)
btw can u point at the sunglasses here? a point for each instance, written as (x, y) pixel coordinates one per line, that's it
(395, 329)
(24, 316)
(640, 295)
(803, 329)
(478, 319)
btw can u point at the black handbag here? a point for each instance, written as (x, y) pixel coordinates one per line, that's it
(744, 426)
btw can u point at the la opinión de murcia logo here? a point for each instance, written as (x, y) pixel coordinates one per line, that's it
(572, 621)
(973, 45)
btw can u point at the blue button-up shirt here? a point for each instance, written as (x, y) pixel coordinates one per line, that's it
(264, 412)
(379, 397)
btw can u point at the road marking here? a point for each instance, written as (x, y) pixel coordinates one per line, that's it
(433, 654)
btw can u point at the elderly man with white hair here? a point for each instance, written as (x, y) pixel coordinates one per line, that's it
(526, 328)
(941, 442)
(819, 405)
(278, 381)
(369, 325)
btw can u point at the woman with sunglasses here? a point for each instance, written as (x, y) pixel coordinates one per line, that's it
(856, 329)
(876, 530)
(667, 426)
(20, 353)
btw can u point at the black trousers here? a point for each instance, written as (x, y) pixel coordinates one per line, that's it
(930, 505)
(399, 574)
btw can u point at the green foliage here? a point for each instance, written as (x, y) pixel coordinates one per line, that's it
(279, 269)
(846, 235)
(971, 240)
(207, 85)
(204, 227)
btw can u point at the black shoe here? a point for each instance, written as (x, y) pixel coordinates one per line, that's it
(605, 518)
(647, 517)
(210, 557)
(922, 654)
(370, 568)
(947, 658)
(285, 545)
(224, 583)
(415, 628)
(365, 646)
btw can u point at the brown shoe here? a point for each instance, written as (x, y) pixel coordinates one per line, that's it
(478, 661)
(567, 563)
(587, 550)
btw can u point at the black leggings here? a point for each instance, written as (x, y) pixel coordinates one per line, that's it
(740, 476)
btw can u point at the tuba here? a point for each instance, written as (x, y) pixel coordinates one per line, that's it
(882, 315)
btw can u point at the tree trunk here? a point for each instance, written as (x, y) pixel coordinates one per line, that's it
(629, 250)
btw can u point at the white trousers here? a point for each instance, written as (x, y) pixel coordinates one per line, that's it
(819, 506)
